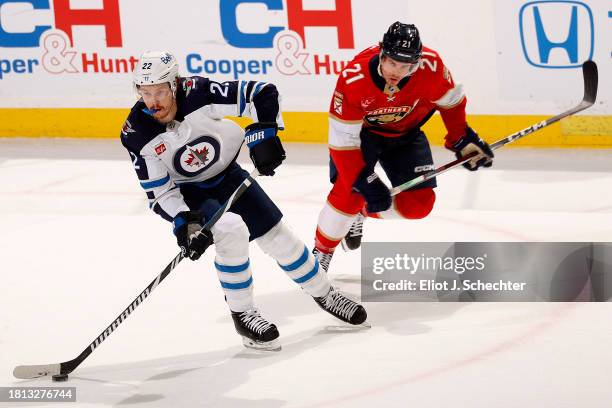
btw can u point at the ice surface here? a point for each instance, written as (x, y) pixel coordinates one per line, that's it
(78, 243)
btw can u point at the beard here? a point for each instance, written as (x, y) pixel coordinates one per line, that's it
(165, 115)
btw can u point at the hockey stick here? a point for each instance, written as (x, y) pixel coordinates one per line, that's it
(589, 71)
(65, 368)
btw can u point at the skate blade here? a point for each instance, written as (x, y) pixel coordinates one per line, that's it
(344, 246)
(347, 327)
(268, 346)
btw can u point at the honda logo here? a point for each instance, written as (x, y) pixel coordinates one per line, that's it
(557, 34)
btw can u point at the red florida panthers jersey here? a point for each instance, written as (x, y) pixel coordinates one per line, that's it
(362, 97)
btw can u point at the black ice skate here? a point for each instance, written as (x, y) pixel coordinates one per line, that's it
(323, 258)
(352, 239)
(257, 333)
(343, 308)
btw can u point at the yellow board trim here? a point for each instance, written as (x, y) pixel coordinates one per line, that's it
(310, 127)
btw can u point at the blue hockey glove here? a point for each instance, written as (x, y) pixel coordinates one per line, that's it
(469, 143)
(190, 239)
(265, 147)
(373, 190)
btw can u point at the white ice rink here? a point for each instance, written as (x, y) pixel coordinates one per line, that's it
(78, 243)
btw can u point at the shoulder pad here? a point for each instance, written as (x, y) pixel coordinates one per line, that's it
(192, 94)
(431, 55)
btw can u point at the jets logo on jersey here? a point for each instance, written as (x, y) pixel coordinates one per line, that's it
(391, 114)
(197, 156)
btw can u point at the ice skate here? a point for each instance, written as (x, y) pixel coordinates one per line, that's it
(352, 239)
(344, 309)
(257, 333)
(323, 258)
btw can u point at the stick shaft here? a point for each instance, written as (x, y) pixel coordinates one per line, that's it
(590, 75)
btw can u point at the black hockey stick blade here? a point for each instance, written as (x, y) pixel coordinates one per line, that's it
(591, 80)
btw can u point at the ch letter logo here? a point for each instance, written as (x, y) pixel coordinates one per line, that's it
(557, 34)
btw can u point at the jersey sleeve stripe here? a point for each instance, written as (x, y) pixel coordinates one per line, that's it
(155, 183)
(241, 99)
(249, 91)
(258, 88)
(451, 98)
(344, 148)
(344, 134)
(349, 122)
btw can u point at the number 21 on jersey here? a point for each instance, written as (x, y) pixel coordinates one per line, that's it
(352, 74)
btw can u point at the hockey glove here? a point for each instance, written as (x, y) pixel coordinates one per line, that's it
(373, 190)
(469, 143)
(190, 239)
(265, 147)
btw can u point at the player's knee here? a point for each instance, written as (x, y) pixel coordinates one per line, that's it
(344, 201)
(279, 240)
(415, 204)
(230, 231)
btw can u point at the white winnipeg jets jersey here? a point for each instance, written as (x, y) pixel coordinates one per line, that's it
(199, 144)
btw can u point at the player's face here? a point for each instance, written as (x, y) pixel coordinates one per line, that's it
(160, 100)
(393, 71)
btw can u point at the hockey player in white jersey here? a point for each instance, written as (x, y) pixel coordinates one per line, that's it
(184, 153)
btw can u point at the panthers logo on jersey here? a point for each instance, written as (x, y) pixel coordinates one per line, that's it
(391, 114)
(383, 116)
(196, 156)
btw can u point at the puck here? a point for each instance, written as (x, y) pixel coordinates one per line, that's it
(60, 377)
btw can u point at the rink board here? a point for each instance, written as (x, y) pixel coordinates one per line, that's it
(310, 127)
(512, 62)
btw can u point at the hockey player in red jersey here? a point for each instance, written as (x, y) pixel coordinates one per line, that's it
(382, 98)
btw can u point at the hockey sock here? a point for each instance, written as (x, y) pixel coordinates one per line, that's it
(295, 259)
(237, 283)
